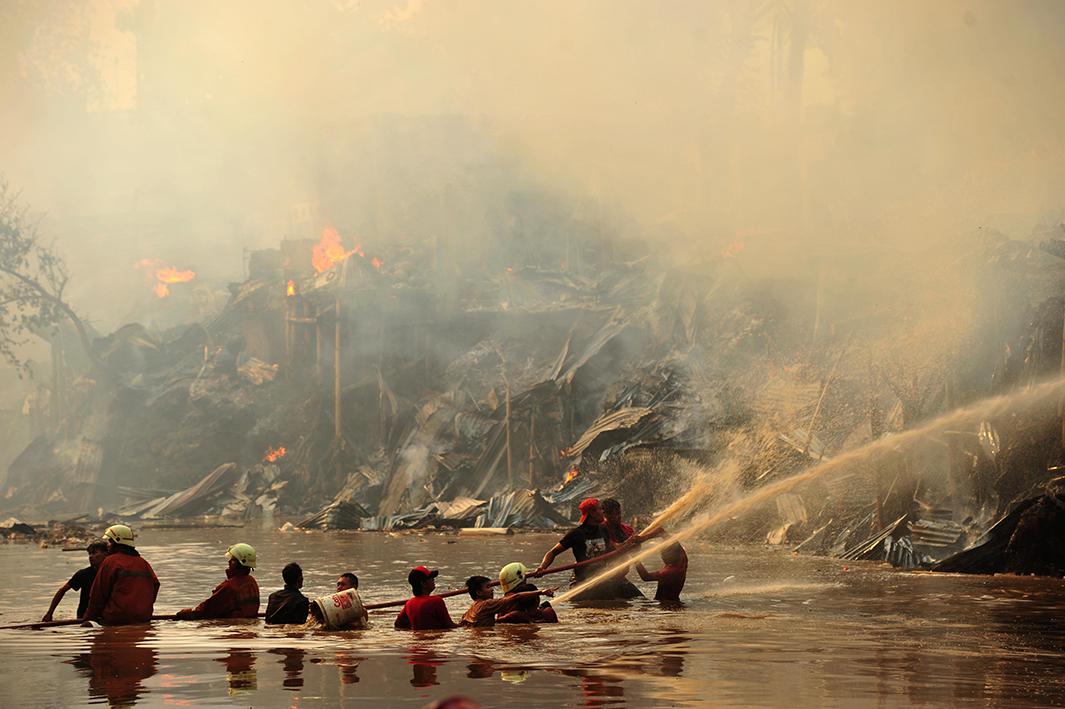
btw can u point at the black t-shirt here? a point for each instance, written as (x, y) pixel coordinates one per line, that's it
(587, 541)
(82, 581)
(287, 606)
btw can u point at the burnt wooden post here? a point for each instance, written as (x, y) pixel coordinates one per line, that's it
(338, 423)
(1061, 403)
(532, 449)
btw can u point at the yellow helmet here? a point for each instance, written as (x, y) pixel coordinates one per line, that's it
(512, 575)
(119, 534)
(243, 553)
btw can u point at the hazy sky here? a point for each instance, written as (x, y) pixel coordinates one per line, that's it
(189, 131)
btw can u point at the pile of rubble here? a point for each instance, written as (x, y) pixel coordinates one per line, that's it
(380, 392)
(68, 535)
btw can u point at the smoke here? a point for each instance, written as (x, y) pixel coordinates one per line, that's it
(852, 145)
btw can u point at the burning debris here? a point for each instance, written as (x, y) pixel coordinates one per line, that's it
(164, 276)
(272, 454)
(328, 252)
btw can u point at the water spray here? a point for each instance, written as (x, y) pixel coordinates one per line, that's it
(980, 410)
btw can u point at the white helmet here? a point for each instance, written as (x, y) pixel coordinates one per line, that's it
(243, 553)
(119, 534)
(512, 575)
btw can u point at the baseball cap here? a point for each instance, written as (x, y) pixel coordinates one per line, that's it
(419, 572)
(587, 506)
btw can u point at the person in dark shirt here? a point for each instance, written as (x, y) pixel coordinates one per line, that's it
(424, 612)
(80, 581)
(670, 577)
(587, 541)
(288, 606)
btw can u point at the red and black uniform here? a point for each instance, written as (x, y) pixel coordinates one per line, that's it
(425, 613)
(236, 597)
(124, 590)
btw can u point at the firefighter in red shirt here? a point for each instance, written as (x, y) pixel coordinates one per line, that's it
(125, 587)
(237, 596)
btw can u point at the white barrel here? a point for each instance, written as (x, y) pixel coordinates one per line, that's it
(342, 610)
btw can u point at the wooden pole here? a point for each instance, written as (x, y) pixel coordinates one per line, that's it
(338, 423)
(288, 333)
(318, 343)
(1061, 405)
(532, 449)
(510, 458)
(380, 385)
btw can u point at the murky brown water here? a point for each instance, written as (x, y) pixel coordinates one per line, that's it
(758, 628)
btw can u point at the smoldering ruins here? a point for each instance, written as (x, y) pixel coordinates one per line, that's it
(463, 309)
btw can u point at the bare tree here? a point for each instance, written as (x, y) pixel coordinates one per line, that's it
(32, 280)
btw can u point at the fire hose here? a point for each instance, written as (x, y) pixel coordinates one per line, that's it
(369, 606)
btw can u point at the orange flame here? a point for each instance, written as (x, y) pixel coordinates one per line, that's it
(329, 251)
(290, 288)
(377, 263)
(273, 454)
(570, 475)
(172, 275)
(164, 275)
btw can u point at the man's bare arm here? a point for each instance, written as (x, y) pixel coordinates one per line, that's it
(549, 558)
(55, 602)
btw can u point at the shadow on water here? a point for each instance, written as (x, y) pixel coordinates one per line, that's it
(118, 663)
(292, 664)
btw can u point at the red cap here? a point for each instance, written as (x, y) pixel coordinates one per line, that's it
(422, 571)
(592, 503)
(427, 571)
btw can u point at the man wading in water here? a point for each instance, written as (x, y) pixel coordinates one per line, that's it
(618, 533)
(237, 596)
(125, 587)
(80, 581)
(589, 540)
(423, 611)
(288, 605)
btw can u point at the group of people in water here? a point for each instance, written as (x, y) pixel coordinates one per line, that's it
(119, 586)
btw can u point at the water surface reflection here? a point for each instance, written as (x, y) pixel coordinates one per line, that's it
(756, 628)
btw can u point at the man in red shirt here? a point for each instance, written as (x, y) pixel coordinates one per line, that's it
(237, 596)
(424, 612)
(670, 577)
(125, 587)
(618, 533)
